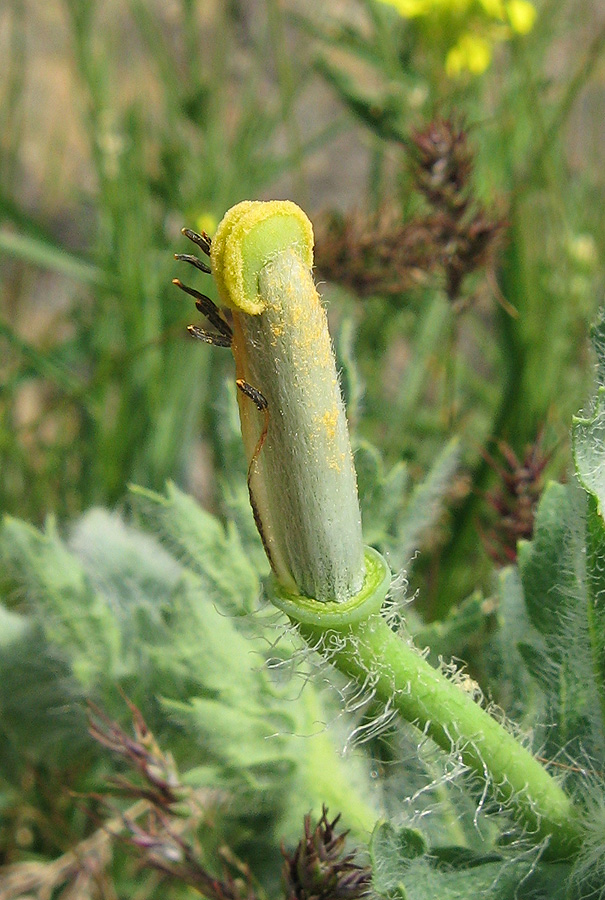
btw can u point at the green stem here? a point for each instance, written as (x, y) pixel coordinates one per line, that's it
(456, 722)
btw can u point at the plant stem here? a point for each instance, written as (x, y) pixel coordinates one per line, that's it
(370, 650)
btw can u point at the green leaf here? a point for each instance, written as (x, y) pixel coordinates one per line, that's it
(598, 342)
(391, 851)
(383, 112)
(555, 574)
(382, 494)
(124, 564)
(205, 643)
(350, 377)
(41, 712)
(513, 688)
(42, 253)
(595, 583)
(548, 579)
(116, 609)
(425, 505)
(75, 618)
(395, 519)
(589, 450)
(589, 456)
(564, 585)
(245, 741)
(404, 868)
(464, 624)
(12, 626)
(199, 540)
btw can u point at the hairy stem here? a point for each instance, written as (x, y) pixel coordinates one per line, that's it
(423, 696)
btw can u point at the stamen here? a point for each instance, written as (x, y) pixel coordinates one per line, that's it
(207, 308)
(194, 261)
(202, 240)
(259, 400)
(219, 340)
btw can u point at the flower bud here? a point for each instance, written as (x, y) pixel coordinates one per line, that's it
(301, 477)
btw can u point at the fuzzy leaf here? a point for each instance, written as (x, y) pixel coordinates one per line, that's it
(395, 519)
(564, 587)
(41, 712)
(76, 619)
(589, 450)
(563, 580)
(245, 740)
(266, 743)
(425, 505)
(12, 626)
(176, 653)
(206, 644)
(589, 456)
(556, 585)
(516, 692)
(544, 564)
(451, 636)
(350, 377)
(405, 869)
(598, 342)
(122, 563)
(199, 540)
(381, 494)
(391, 852)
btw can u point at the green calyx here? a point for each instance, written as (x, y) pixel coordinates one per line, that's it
(331, 614)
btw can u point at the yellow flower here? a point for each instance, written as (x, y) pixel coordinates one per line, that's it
(494, 8)
(470, 27)
(471, 53)
(408, 9)
(521, 15)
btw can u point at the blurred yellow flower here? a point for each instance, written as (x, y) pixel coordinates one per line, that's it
(494, 8)
(469, 28)
(471, 54)
(206, 222)
(410, 9)
(521, 15)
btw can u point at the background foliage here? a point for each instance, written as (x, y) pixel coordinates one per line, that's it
(460, 235)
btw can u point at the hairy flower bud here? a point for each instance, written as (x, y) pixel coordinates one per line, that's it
(301, 477)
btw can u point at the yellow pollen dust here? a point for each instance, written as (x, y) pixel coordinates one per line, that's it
(330, 422)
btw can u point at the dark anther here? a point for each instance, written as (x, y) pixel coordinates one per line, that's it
(201, 240)
(194, 261)
(219, 340)
(207, 308)
(259, 400)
